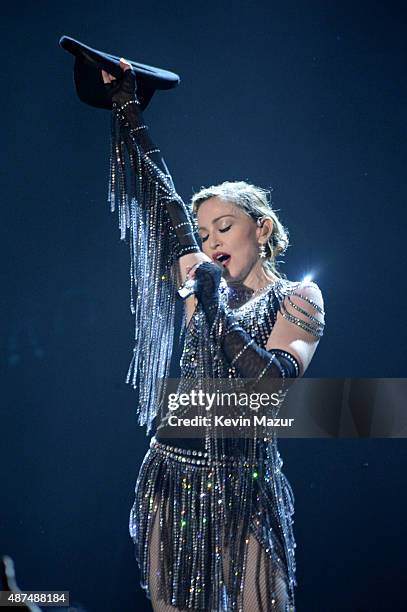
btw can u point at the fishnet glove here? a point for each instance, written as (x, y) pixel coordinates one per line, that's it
(127, 107)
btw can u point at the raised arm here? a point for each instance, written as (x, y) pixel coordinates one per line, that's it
(146, 158)
(135, 134)
(161, 236)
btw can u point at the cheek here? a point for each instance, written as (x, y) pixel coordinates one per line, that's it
(244, 253)
(245, 240)
(204, 247)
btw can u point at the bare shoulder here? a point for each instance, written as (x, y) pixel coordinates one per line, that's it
(302, 303)
(309, 291)
(300, 321)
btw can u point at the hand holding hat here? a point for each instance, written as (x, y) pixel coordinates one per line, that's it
(90, 63)
(122, 89)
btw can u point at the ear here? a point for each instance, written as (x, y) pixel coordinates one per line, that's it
(265, 230)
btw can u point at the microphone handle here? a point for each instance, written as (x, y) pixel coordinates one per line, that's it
(187, 288)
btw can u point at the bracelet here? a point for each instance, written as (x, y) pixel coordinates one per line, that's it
(181, 224)
(127, 103)
(183, 250)
(291, 359)
(140, 127)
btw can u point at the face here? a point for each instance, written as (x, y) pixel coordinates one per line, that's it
(229, 233)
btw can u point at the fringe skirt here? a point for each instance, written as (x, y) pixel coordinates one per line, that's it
(206, 513)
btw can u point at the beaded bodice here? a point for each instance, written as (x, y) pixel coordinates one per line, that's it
(255, 312)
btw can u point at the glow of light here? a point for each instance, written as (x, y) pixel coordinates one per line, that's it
(307, 278)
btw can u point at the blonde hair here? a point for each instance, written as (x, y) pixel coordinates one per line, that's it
(256, 203)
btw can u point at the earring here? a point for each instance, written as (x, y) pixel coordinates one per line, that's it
(262, 251)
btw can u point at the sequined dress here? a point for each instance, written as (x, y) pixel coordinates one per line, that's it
(199, 509)
(247, 493)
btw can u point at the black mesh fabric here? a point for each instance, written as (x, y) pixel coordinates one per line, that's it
(123, 95)
(249, 359)
(265, 590)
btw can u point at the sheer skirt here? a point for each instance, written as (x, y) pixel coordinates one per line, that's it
(194, 556)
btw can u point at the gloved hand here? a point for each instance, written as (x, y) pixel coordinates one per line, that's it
(122, 92)
(208, 277)
(123, 89)
(127, 108)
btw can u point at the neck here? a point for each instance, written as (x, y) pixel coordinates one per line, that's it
(242, 291)
(256, 279)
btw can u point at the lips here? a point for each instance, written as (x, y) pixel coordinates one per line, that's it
(221, 257)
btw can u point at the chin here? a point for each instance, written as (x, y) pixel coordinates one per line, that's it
(228, 275)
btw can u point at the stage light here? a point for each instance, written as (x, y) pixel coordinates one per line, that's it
(307, 278)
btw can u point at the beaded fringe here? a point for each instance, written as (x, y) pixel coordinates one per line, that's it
(200, 522)
(204, 503)
(306, 321)
(133, 190)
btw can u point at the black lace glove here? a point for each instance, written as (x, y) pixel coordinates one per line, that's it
(249, 359)
(123, 94)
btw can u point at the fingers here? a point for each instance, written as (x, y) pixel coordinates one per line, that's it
(124, 64)
(108, 78)
(192, 269)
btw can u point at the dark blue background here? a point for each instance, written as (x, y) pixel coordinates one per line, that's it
(306, 97)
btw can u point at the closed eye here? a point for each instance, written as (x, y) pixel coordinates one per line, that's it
(225, 229)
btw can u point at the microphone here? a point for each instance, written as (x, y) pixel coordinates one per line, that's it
(187, 288)
(189, 285)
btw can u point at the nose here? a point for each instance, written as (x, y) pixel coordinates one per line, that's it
(214, 241)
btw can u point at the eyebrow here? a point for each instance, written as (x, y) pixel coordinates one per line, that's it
(217, 219)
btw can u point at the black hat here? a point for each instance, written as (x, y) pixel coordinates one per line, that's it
(88, 77)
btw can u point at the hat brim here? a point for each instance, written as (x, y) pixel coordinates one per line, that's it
(88, 77)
